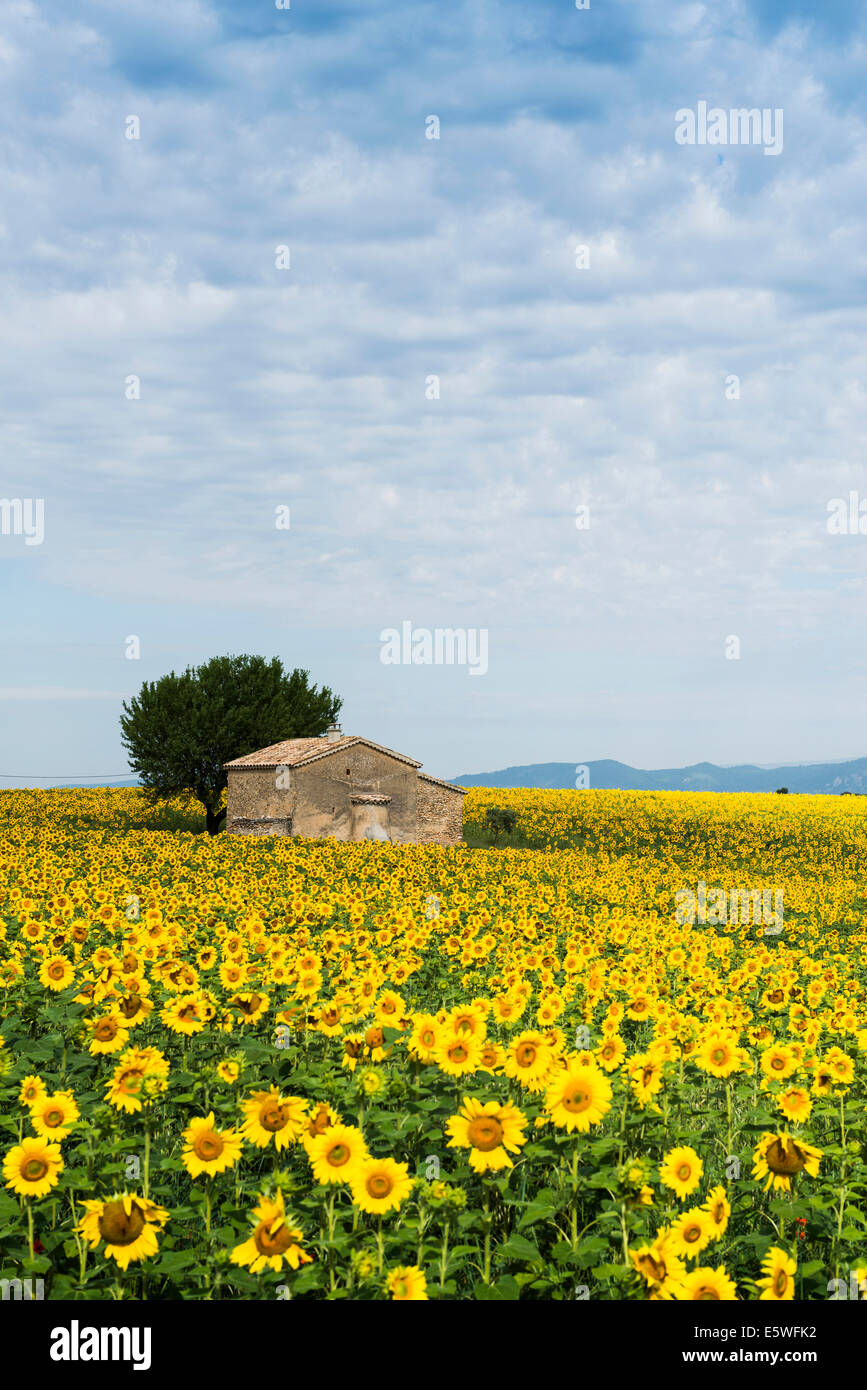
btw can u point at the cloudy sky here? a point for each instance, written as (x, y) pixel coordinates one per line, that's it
(554, 305)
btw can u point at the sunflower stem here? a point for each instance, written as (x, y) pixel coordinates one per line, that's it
(624, 1233)
(147, 1158)
(444, 1255)
(80, 1245)
(486, 1273)
(729, 1117)
(622, 1128)
(574, 1217)
(30, 1227)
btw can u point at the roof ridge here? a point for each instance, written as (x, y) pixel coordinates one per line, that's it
(441, 782)
(313, 753)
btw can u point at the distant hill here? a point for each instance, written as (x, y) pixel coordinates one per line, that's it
(71, 786)
(701, 777)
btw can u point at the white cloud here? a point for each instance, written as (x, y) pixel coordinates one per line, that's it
(455, 258)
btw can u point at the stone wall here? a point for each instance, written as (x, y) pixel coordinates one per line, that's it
(440, 814)
(323, 790)
(259, 825)
(317, 801)
(253, 794)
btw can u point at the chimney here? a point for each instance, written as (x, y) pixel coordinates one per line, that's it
(333, 733)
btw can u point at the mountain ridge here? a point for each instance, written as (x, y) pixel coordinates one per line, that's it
(608, 774)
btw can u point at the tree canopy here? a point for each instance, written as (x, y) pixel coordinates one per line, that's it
(181, 729)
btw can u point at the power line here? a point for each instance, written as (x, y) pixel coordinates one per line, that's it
(71, 776)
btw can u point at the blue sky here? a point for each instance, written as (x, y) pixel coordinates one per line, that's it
(560, 386)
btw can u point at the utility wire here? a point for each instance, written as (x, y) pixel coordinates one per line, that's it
(51, 776)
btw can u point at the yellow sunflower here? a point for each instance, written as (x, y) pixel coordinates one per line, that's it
(691, 1232)
(681, 1171)
(424, 1037)
(268, 1115)
(508, 1008)
(209, 1150)
(389, 1009)
(645, 1075)
(137, 1080)
(32, 1089)
(56, 972)
(318, 1118)
(380, 1185)
(841, 1064)
(353, 1050)
(488, 1131)
(329, 1019)
(718, 1054)
(492, 1057)
(458, 1054)
(407, 1284)
(374, 1043)
(778, 1062)
(186, 1015)
(134, 1008)
(659, 1266)
(53, 1116)
(706, 1284)
(250, 1005)
(33, 1167)
(579, 1097)
(781, 1158)
(779, 1281)
(611, 1053)
(128, 1224)
(795, 1104)
(467, 1018)
(718, 1208)
(371, 1081)
(335, 1154)
(528, 1059)
(107, 1034)
(274, 1240)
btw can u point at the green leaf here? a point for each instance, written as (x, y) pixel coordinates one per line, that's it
(173, 1261)
(537, 1211)
(505, 1289)
(518, 1247)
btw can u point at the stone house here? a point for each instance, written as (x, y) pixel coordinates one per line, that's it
(343, 786)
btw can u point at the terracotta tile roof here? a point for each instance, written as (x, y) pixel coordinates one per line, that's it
(293, 752)
(438, 782)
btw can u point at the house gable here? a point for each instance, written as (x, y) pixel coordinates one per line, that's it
(296, 752)
(333, 786)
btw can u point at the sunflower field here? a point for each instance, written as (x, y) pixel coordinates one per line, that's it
(266, 1068)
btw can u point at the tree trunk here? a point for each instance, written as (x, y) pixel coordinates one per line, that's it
(214, 820)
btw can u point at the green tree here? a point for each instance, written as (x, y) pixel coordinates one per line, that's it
(500, 821)
(181, 729)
